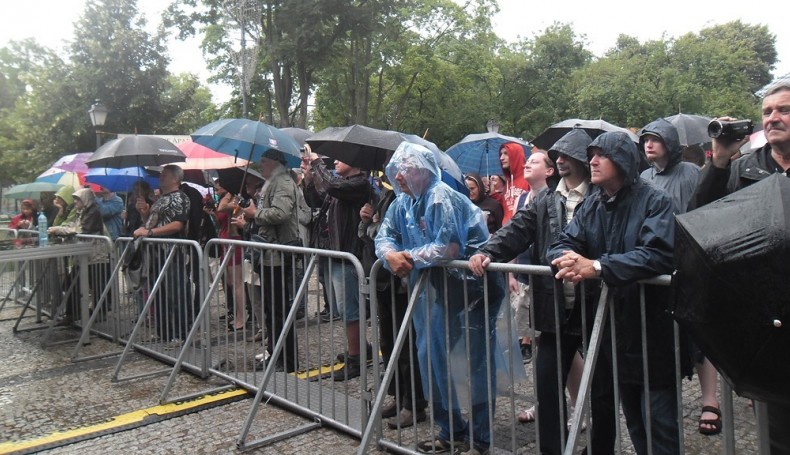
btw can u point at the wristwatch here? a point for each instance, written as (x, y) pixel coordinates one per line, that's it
(597, 267)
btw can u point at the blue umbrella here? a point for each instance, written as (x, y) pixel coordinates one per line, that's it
(250, 140)
(120, 180)
(479, 153)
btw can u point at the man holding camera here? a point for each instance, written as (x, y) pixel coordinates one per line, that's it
(724, 176)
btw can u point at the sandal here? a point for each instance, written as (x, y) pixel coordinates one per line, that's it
(527, 415)
(434, 446)
(715, 423)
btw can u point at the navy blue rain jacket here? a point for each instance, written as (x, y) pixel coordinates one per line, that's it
(632, 236)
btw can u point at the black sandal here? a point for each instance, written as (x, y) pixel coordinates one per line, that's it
(715, 423)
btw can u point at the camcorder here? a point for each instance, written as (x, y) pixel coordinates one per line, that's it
(730, 131)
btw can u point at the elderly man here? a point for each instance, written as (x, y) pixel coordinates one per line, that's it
(276, 215)
(168, 218)
(429, 224)
(723, 176)
(622, 233)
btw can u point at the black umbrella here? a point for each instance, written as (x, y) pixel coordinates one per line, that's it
(232, 179)
(300, 135)
(136, 151)
(356, 145)
(732, 288)
(593, 127)
(692, 129)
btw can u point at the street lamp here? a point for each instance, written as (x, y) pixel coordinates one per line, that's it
(492, 126)
(98, 115)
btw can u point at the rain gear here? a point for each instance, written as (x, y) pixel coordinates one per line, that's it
(679, 178)
(537, 226)
(436, 224)
(514, 176)
(69, 214)
(88, 221)
(632, 235)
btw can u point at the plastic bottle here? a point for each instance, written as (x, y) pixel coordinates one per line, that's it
(43, 238)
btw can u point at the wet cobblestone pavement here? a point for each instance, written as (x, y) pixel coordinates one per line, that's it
(43, 392)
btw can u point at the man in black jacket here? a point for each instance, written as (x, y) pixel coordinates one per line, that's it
(348, 189)
(722, 176)
(622, 233)
(539, 224)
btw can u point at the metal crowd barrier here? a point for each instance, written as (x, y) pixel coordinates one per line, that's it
(9, 291)
(501, 396)
(161, 283)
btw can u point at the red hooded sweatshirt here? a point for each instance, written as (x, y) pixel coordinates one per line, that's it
(514, 176)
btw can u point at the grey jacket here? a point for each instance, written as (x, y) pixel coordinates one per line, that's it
(277, 213)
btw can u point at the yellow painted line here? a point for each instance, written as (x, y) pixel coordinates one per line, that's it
(320, 371)
(119, 421)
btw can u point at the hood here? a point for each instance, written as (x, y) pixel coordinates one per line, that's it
(619, 148)
(418, 167)
(516, 160)
(574, 144)
(85, 195)
(481, 194)
(668, 135)
(65, 194)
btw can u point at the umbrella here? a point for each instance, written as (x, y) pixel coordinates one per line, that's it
(250, 140)
(202, 157)
(54, 175)
(593, 127)
(120, 180)
(731, 286)
(479, 153)
(692, 129)
(135, 151)
(73, 163)
(30, 190)
(233, 178)
(756, 141)
(356, 145)
(300, 135)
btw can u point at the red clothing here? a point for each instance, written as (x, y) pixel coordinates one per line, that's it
(14, 224)
(514, 176)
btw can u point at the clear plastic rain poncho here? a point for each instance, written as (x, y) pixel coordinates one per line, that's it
(436, 224)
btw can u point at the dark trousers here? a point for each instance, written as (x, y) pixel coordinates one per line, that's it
(392, 309)
(602, 409)
(276, 305)
(778, 426)
(174, 301)
(663, 418)
(552, 427)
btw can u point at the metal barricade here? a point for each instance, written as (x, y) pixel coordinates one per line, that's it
(161, 283)
(9, 290)
(498, 397)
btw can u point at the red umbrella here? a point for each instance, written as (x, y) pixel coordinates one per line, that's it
(201, 157)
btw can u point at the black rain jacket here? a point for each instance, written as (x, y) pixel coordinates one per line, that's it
(632, 235)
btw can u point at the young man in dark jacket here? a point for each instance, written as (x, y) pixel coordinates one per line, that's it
(538, 225)
(723, 177)
(624, 232)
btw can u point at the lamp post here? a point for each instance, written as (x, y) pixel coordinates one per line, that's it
(492, 126)
(98, 114)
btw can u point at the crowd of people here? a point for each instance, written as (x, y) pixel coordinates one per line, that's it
(586, 207)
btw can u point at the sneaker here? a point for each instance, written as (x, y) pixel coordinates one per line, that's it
(471, 451)
(342, 356)
(350, 370)
(406, 419)
(326, 317)
(526, 353)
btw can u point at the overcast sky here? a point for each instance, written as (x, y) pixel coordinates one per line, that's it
(51, 22)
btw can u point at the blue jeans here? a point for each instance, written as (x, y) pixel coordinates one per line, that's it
(663, 418)
(345, 285)
(442, 326)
